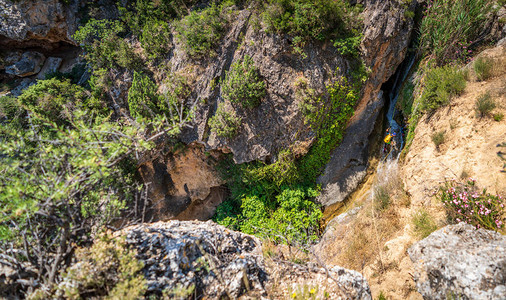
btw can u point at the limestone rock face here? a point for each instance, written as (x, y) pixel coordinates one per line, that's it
(387, 34)
(460, 262)
(30, 63)
(51, 65)
(218, 262)
(182, 183)
(37, 22)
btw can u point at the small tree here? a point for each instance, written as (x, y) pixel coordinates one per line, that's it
(243, 84)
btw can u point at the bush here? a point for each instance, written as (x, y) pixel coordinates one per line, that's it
(498, 117)
(441, 84)
(225, 123)
(11, 112)
(311, 20)
(103, 46)
(381, 198)
(201, 31)
(57, 184)
(243, 84)
(464, 202)
(438, 138)
(423, 224)
(156, 38)
(484, 105)
(55, 100)
(450, 26)
(107, 268)
(143, 99)
(483, 67)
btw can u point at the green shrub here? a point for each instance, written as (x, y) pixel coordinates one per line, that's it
(107, 268)
(11, 112)
(450, 26)
(381, 198)
(423, 224)
(55, 100)
(243, 84)
(440, 85)
(498, 117)
(225, 123)
(465, 202)
(483, 67)
(177, 106)
(293, 219)
(311, 20)
(438, 138)
(104, 48)
(156, 38)
(484, 105)
(143, 98)
(201, 31)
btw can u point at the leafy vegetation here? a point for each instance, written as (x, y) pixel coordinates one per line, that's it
(484, 105)
(381, 198)
(310, 20)
(243, 84)
(143, 98)
(465, 202)
(103, 45)
(156, 38)
(60, 181)
(438, 138)
(109, 267)
(483, 67)
(498, 117)
(450, 27)
(440, 85)
(202, 30)
(225, 123)
(423, 223)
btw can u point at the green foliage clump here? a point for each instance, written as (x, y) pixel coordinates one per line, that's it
(243, 84)
(107, 269)
(201, 31)
(381, 198)
(498, 117)
(143, 98)
(103, 45)
(484, 105)
(55, 100)
(225, 123)
(464, 202)
(483, 67)
(59, 182)
(156, 38)
(450, 26)
(11, 112)
(136, 14)
(423, 224)
(311, 20)
(440, 85)
(438, 138)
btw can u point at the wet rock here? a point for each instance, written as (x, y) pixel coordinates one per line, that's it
(29, 64)
(50, 66)
(219, 263)
(460, 262)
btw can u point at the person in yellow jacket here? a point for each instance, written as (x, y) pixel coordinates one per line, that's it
(388, 140)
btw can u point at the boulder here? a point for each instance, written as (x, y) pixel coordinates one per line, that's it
(460, 262)
(29, 64)
(220, 263)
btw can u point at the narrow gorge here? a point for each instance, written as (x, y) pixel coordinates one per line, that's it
(243, 149)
